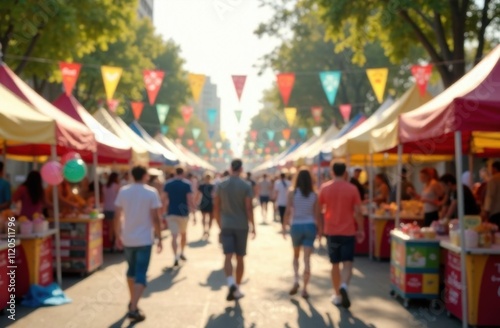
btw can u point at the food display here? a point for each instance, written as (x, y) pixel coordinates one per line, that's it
(412, 208)
(414, 231)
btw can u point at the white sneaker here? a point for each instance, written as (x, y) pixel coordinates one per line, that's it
(238, 294)
(336, 300)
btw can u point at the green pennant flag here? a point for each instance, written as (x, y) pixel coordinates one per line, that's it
(162, 111)
(238, 113)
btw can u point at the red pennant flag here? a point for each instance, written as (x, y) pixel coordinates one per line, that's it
(239, 84)
(153, 80)
(253, 134)
(286, 133)
(70, 72)
(285, 85)
(208, 143)
(113, 105)
(190, 142)
(137, 107)
(345, 111)
(180, 131)
(268, 150)
(422, 75)
(187, 112)
(316, 113)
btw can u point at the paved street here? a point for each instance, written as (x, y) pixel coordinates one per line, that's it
(193, 296)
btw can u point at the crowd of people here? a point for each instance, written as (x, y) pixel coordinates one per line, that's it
(143, 202)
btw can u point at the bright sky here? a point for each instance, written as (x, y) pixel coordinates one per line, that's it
(216, 38)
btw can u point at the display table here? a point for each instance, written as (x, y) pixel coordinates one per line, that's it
(363, 248)
(34, 263)
(483, 284)
(414, 267)
(81, 244)
(381, 234)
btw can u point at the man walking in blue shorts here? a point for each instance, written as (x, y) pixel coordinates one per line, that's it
(141, 208)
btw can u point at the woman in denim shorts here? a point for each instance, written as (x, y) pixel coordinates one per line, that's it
(303, 214)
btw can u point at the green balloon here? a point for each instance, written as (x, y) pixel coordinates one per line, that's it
(74, 170)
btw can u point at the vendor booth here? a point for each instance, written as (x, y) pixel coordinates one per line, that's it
(464, 119)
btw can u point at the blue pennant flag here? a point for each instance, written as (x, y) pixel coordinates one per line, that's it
(164, 129)
(211, 134)
(212, 115)
(331, 82)
(303, 133)
(270, 135)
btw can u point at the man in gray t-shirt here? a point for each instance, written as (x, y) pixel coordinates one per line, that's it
(234, 211)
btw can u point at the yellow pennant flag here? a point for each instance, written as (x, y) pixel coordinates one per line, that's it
(223, 135)
(111, 76)
(378, 80)
(290, 113)
(196, 82)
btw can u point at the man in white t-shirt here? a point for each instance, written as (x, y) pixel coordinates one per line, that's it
(141, 208)
(281, 187)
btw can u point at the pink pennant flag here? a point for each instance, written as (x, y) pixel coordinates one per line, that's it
(180, 132)
(187, 112)
(239, 84)
(345, 111)
(113, 105)
(153, 80)
(316, 113)
(70, 72)
(422, 75)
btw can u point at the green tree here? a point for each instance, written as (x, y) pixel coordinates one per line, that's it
(442, 28)
(58, 30)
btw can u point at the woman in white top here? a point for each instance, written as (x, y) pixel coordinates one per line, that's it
(110, 192)
(432, 195)
(304, 212)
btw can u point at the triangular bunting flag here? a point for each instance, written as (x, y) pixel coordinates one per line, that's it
(238, 113)
(70, 72)
(137, 107)
(282, 143)
(162, 111)
(286, 133)
(211, 134)
(180, 131)
(212, 115)
(239, 84)
(303, 133)
(190, 142)
(153, 80)
(285, 85)
(254, 134)
(111, 77)
(378, 81)
(196, 133)
(164, 129)
(196, 82)
(317, 131)
(317, 113)
(345, 111)
(331, 82)
(270, 134)
(113, 105)
(222, 135)
(187, 112)
(290, 114)
(251, 145)
(422, 75)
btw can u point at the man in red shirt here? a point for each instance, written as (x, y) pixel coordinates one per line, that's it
(341, 203)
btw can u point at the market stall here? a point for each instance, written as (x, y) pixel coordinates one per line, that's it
(81, 243)
(462, 119)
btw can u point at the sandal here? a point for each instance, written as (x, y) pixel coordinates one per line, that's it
(305, 295)
(294, 289)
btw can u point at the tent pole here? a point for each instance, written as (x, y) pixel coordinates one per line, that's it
(370, 201)
(96, 181)
(460, 211)
(399, 181)
(55, 198)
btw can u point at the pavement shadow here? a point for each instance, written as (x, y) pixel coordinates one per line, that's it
(215, 280)
(314, 319)
(198, 244)
(348, 320)
(232, 317)
(164, 281)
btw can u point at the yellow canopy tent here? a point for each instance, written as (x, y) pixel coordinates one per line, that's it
(358, 144)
